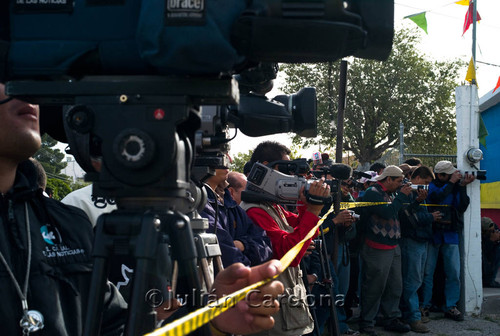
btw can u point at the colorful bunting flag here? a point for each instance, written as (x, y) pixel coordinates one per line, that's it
(483, 132)
(471, 73)
(498, 85)
(419, 19)
(469, 16)
(462, 2)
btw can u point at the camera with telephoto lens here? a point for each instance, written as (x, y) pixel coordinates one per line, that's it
(479, 174)
(419, 187)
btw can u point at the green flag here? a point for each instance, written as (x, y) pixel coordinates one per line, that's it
(483, 132)
(420, 20)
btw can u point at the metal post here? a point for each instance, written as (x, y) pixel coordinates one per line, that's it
(401, 143)
(340, 114)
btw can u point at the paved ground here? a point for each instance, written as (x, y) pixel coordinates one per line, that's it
(488, 323)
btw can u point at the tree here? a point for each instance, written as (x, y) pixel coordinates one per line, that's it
(239, 161)
(60, 188)
(407, 87)
(50, 158)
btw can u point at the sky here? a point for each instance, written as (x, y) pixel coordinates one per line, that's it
(444, 41)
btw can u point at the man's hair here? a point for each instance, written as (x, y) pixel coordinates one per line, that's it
(41, 176)
(247, 167)
(377, 166)
(413, 161)
(234, 181)
(269, 151)
(424, 172)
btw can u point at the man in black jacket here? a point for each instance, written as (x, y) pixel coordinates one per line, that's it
(45, 246)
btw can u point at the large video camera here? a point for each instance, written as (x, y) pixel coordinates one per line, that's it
(131, 77)
(265, 184)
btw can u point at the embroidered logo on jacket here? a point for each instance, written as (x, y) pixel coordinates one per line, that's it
(55, 247)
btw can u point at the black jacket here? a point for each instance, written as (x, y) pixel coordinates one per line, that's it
(61, 239)
(415, 220)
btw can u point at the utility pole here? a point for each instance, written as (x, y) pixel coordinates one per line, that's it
(341, 109)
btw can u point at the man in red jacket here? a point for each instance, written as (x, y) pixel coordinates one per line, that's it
(285, 229)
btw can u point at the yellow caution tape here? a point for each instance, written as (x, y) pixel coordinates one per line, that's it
(202, 316)
(198, 318)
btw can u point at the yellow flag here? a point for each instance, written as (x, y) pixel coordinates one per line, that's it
(471, 73)
(462, 2)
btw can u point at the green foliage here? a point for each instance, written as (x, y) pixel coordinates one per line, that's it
(407, 87)
(52, 161)
(239, 161)
(78, 184)
(59, 188)
(50, 158)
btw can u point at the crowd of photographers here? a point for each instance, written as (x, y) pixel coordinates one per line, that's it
(382, 256)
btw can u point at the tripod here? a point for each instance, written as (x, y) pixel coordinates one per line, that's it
(144, 129)
(143, 238)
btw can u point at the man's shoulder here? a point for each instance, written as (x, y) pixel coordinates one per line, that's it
(85, 192)
(373, 191)
(63, 212)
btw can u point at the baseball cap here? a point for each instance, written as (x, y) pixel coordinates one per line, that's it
(486, 223)
(371, 179)
(445, 167)
(390, 171)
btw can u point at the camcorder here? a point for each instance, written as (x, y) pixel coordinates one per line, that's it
(265, 184)
(150, 87)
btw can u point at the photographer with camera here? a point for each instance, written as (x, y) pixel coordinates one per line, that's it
(338, 230)
(381, 281)
(447, 189)
(416, 233)
(285, 230)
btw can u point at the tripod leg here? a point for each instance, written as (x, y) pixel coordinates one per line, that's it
(312, 309)
(334, 322)
(142, 317)
(96, 297)
(98, 281)
(206, 272)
